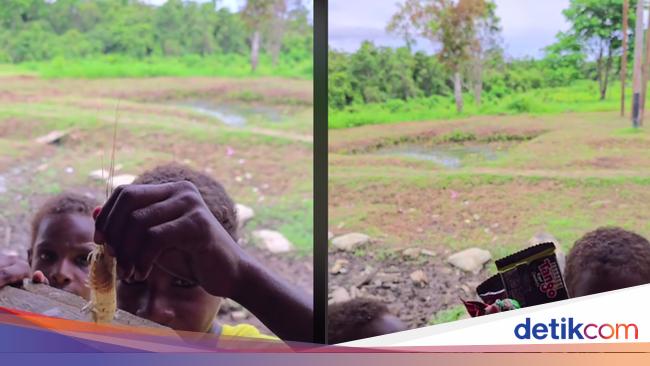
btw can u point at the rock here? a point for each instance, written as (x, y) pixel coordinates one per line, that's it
(54, 138)
(419, 278)
(99, 174)
(123, 179)
(339, 266)
(427, 252)
(238, 315)
(411, 253)
(244, 214)
(330, 235)
(272, 241)
(349, 242)
(470, 260)
(340, 294)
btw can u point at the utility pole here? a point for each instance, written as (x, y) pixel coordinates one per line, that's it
(626, 6)
(638, 61)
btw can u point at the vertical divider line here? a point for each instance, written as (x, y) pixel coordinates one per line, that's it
(320, 171)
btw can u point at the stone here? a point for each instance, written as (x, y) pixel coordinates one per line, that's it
(349, 242)
(340, 294)
(330, 235)
(272, 241)
(339, 266)
(244, 214)
(53, 138)
(428, 253)
(419, 278)
(99, 174)
(470, 260)
(123, 179)
(411, 253)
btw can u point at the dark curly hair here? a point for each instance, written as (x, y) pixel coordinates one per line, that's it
(64, 203)
(345, 318)
(212, 192)
(608, 252)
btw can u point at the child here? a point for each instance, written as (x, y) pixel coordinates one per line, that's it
(62, 234)
(360, 318)
(174, 234)
(607, 259)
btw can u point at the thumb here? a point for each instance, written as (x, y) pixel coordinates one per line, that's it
(39, 277)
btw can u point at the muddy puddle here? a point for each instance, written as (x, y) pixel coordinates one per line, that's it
(452, 156)
(235, 114)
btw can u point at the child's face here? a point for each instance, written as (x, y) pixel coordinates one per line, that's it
(169, 300)
(60, 251)
(589, 282)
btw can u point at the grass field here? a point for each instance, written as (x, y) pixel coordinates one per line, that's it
(564, 174)
(582, 96)
(111, 66)
(267, 166)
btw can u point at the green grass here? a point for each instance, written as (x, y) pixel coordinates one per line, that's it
(190, 65)
(582, 96)
(449, 315)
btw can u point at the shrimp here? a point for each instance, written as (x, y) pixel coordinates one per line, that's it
(101, 280)
(102, 277)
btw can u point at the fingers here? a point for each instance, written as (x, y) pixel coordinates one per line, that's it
(39, 277)
(15, 271)
(162, 237)
(125, 199)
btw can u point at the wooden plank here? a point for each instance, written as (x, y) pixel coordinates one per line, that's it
(47, 300)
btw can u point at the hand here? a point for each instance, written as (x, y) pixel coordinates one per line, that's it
(13, 270)
(139, 222)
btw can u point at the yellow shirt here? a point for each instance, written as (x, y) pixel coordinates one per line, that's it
(244, 330)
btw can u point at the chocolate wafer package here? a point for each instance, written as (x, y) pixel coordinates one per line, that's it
(532, 276)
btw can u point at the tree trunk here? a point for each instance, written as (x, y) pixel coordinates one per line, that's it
(646, 70)
(608, 67)
(599, 70)
(255, 50)
(638, 59)
(458, 92)
(624, 56)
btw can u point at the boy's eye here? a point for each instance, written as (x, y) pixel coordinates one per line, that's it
(179, 282)
(82, 261)
(46, 256)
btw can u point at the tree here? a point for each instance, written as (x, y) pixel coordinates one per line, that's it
(485, 46)
(626, 6)
(638, 59)
(257, 14)
(452, 24)
(596, 27)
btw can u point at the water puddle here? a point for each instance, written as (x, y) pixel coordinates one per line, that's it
(449, 156)
(236, 114)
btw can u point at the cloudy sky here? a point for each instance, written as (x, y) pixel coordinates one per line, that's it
(528, 25)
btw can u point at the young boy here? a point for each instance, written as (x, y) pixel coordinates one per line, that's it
(174, 234)
(360, 318)
(606, 259)
(62, 235)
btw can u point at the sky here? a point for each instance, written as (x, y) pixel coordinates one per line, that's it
(233, 5)
(527, 25)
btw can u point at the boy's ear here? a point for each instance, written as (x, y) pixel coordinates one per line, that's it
(29, 256)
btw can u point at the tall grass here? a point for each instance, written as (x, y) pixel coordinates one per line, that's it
(231, 65)
(582, 96)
